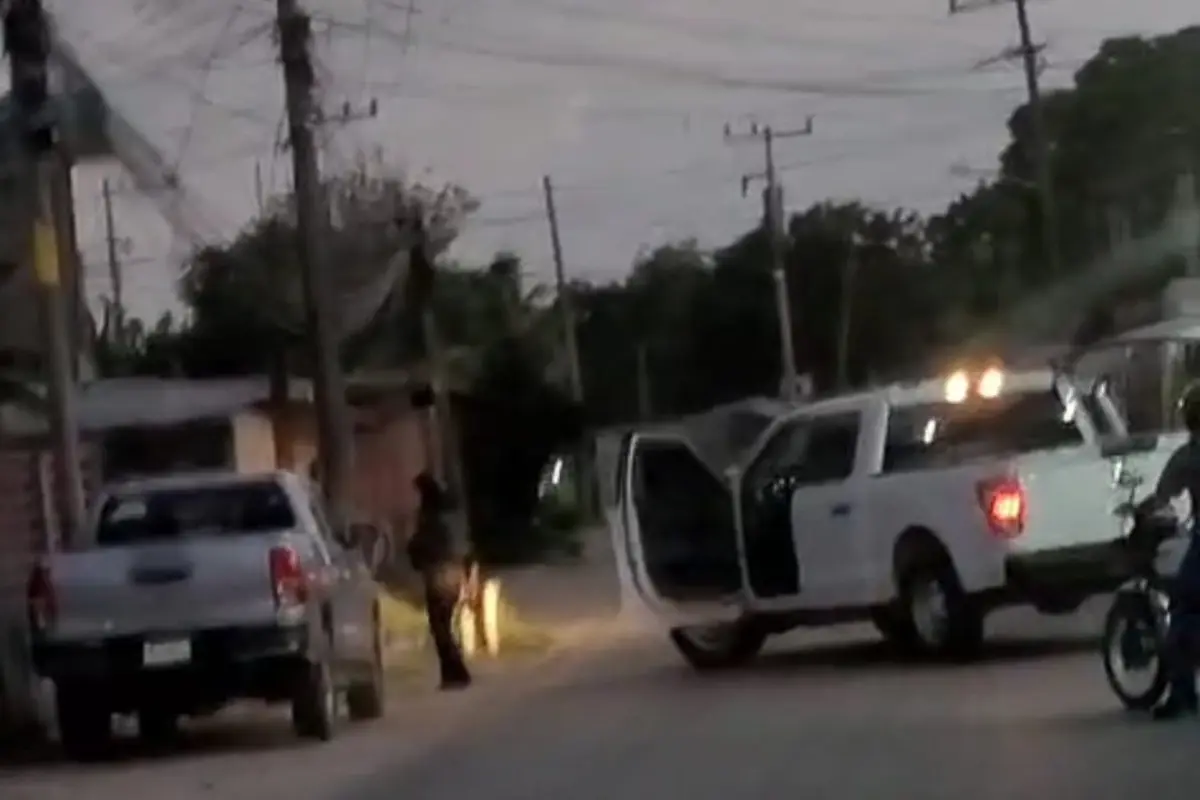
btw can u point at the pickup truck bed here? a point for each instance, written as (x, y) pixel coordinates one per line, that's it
(197, 590)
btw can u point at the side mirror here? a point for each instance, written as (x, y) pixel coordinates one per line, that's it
(1127, 445)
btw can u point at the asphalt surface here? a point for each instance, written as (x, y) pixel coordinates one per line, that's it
(823, 714)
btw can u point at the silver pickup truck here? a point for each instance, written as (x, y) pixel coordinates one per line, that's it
(196, 590)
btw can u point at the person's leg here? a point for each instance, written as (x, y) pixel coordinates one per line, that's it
(1178, 655)
(443, 584)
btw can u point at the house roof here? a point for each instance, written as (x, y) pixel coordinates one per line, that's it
(163, 402)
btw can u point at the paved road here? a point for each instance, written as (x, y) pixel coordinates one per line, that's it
(828, 715)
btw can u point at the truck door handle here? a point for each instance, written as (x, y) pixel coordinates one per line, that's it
(840, 510)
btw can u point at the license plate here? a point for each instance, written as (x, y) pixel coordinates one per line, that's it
(167, 654)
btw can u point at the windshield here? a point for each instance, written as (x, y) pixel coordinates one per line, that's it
(920, 436)
(199, 511)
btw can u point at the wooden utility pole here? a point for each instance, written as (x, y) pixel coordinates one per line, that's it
(566, 307)
(27, 40)
(335, 443)
(115, 276)
(1028, 52)
(774, 222)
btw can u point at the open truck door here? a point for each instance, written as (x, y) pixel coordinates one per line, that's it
(674, 533)
(671, 512)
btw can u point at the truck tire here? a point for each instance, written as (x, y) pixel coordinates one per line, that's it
(156, 726)
(895, 627)
(365, 697)
(84, 725)
(713, 647)
(314, 702)
(946, 622)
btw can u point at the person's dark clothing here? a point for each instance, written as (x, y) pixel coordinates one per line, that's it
(1182, 475)
(434, 542)
(438, 554)
(443, 587)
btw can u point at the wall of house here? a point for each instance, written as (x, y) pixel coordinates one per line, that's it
(389, 452)
(29, 524)
(253, 443)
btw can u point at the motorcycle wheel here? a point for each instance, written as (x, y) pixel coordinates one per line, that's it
(1133, 652)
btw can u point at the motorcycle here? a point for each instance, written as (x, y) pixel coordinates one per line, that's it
(1135, 627)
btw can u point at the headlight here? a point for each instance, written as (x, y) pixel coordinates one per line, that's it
(958, 386)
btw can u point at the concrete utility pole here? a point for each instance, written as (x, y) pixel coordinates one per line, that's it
(849, 276)
(645, 407)
(335, 442)
(773, 223)
(115, 271)
(566, 306)
(27, 40)
(1028, 52)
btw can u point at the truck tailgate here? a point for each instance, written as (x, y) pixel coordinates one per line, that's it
(184, 584)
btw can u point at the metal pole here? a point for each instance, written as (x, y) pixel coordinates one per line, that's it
(335, 449)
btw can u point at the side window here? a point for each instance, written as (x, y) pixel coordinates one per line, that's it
(832, 444)
(785, 450)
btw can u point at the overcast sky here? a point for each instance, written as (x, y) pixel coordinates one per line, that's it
(623, 102)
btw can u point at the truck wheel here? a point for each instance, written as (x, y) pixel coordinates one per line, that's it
(896, 627)
(156, 726)
(84, 726)
(365, 698)
(724, 646)
(946, 622)
(314, 702)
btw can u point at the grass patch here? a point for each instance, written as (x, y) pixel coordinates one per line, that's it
(406, 633)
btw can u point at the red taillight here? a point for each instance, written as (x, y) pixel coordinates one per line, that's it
(1003, 503)
(289, 583)
(41, 598)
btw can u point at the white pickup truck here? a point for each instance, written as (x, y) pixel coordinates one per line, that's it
(921, 507)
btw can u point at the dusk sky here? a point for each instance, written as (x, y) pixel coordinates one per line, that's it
(622, 102)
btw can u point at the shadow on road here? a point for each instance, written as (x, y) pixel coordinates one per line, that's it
(197, 740)
(877, 655)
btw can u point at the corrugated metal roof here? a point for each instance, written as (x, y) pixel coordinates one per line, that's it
(160, 402)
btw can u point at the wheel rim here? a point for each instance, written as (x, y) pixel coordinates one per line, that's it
(929, 611)
(1133, 655)
(710, 637)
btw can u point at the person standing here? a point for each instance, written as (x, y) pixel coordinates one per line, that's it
(440, 556)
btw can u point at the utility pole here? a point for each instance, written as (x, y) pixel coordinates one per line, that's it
(645, 408)
(849, 275)
(566, 306)
(27, 40)
(335, 445)
(115, 276)
(773, 223)
(1028, 52)
(565, 301)
(1186, 205)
